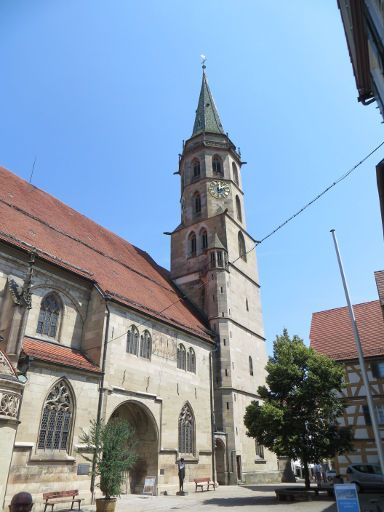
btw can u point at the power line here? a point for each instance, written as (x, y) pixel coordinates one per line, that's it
(273, 232)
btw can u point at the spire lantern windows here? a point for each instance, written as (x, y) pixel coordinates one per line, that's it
(242, 249)
(196, 203)
(217, 165)
(238, 209)
(196, 168)
(235, 173)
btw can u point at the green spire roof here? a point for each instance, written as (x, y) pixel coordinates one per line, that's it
(207, 117)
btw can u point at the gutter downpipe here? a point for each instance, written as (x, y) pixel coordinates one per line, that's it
(101, 387)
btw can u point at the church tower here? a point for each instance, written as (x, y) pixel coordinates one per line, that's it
(213, 262)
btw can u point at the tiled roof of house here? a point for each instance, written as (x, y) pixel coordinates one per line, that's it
(59, 354)
(331, 331)
(33, 219)
(379, 278)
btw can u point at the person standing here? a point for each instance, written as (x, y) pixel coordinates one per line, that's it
(181, 473)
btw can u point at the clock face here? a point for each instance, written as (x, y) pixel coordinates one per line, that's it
(219, 189)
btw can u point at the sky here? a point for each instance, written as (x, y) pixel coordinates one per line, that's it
(100, 95)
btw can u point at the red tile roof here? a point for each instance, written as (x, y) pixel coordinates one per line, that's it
(59, 354)
(31, 218)
(331, 331)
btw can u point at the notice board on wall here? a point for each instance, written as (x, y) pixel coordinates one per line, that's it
(149, 486)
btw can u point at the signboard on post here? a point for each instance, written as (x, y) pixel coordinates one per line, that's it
(347, 499)
(149, 486)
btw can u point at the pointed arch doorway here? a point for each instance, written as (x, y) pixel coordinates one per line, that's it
(146, 432)
(221, 462)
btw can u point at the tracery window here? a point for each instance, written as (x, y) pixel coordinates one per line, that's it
(48, 321)
(56, 421)
(191, 361)
(196, 168)
(242, 249)
(204, 239)
(235, 173)
(186, 430)
(217, 165)
(146, 345)
(192, 244)
(238, 209)
(196, 203)
(181, 357)
(133, 340)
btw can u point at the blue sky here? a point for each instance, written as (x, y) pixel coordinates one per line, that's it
(102, 93)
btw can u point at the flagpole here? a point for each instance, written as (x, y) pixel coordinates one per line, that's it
(363, 369)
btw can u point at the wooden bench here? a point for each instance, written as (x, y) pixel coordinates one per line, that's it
(199, 482)
(52, 498)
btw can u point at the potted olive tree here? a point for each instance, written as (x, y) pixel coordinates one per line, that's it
(113, 447)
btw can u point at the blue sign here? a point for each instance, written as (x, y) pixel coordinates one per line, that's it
(346, 498)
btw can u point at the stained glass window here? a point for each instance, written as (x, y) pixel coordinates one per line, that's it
(191, 361)
(181, 357)
(49, 316)
(186, 430)
(145, 345)
(56, 419)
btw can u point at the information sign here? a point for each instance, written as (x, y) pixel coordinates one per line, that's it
(347, 499)
(150, 485)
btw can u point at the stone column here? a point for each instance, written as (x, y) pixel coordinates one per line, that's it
(10, 399)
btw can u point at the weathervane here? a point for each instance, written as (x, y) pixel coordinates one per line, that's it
(203, 59)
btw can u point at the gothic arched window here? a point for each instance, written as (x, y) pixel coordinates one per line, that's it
(192, 244)
(181, 357)
(146, 345)
(235, 173)
(56, 421)
(49, 316)
(133, 340)
(196, 167)
(186, 430)
(196, 203)
(217, 165)
(191, 361)
(242, 250)
(250, 366)
(238, 209)
(203, 239)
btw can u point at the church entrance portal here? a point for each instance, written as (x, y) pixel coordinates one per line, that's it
(220, 462)
(144, 424)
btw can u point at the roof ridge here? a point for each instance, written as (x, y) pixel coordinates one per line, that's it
(79, 240)
(345, 307)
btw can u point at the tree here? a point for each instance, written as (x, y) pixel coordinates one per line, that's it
(299, 410)
(112, 445)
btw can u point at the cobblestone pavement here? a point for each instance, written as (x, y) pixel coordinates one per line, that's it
(240, 498)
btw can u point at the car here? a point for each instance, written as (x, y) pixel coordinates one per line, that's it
(365, 476)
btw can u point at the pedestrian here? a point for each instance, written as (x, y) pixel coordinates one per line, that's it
(317, 469)
(21, 502)
(181, 473)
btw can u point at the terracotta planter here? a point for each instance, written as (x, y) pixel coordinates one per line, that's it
(104, 505)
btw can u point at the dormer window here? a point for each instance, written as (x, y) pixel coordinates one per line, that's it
(217, 165)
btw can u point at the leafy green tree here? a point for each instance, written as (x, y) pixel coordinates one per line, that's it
(300, 405)
(113, 446)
